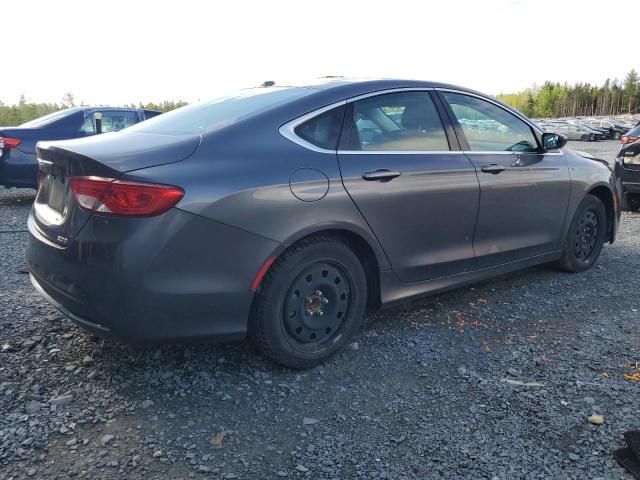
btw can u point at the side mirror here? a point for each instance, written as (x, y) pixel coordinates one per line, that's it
(553, 141)
(98, 117)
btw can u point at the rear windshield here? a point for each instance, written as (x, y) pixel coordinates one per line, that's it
(220, 112)
(47, 119)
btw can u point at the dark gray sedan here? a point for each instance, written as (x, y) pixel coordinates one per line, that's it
(282, 213)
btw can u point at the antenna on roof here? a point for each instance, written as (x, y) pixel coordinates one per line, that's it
(268, 83)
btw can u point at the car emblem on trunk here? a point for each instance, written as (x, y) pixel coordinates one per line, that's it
(63, 240)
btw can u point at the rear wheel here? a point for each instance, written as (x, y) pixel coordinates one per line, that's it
(311, 303)
(586, 236)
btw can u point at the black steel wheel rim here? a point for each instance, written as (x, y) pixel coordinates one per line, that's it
(316, 305)
(586, 235)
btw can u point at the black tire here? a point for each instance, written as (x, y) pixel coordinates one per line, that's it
(617, 135)
(631, 202)
(310, 303)
(585, 236)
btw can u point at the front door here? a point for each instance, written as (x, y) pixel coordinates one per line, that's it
(524, 192)
(419, 195)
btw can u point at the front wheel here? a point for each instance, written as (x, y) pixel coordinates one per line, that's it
(310, 304)
(585, 236)
(617, 135)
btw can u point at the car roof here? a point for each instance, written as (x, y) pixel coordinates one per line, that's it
(356, 86)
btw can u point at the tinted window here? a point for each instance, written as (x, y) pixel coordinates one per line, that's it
(219, 113)
(489, 127)
(150, 114)
(88, 127)
(404, 121)
(114, 121)
(324, 130)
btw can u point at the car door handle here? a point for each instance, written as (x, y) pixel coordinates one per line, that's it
(493, 168)
(382, 175)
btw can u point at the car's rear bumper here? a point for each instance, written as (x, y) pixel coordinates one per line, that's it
(18, 169)
(176, 277)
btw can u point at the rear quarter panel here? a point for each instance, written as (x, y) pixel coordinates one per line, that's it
(242, 177)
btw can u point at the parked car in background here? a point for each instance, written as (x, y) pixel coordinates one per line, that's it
(628, 168)
(601, 130)
(594, 133)
(571, 131)
(615, 129)
(18, 162)
(282, 213)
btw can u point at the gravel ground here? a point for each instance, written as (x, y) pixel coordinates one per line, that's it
(431, 389)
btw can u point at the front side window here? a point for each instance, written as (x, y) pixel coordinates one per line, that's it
(403, 121)
(323, 130)
(489, 127)
(115, 121)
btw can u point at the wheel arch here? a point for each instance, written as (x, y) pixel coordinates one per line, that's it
(608, 197)
(364, 245)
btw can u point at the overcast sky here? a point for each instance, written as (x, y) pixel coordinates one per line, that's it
(119, 51)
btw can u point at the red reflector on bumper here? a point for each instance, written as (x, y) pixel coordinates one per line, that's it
(261, 273)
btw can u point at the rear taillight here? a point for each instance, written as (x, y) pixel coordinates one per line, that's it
(114, 197)
(9, 142)
(626, 139)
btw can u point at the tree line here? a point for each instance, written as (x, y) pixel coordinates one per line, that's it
(582, 99)
(23, 111)
(549, 100)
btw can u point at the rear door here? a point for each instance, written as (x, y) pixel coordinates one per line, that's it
(416, 189)
(524, 191)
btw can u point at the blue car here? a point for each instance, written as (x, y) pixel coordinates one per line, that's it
(18, 162)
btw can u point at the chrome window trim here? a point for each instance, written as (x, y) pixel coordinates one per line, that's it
(440, 152)
(391, 90)
(287, 130)
(399, 152)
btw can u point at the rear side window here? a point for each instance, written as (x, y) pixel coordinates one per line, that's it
(324, 130)
(221, 112)
(88, 127)
(403, 121)
(150, 114)
(114, 121)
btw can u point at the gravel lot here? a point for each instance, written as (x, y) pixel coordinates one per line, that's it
(429, 390)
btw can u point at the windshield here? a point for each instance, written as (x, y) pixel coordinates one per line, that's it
(47, 119)
(220, 112)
